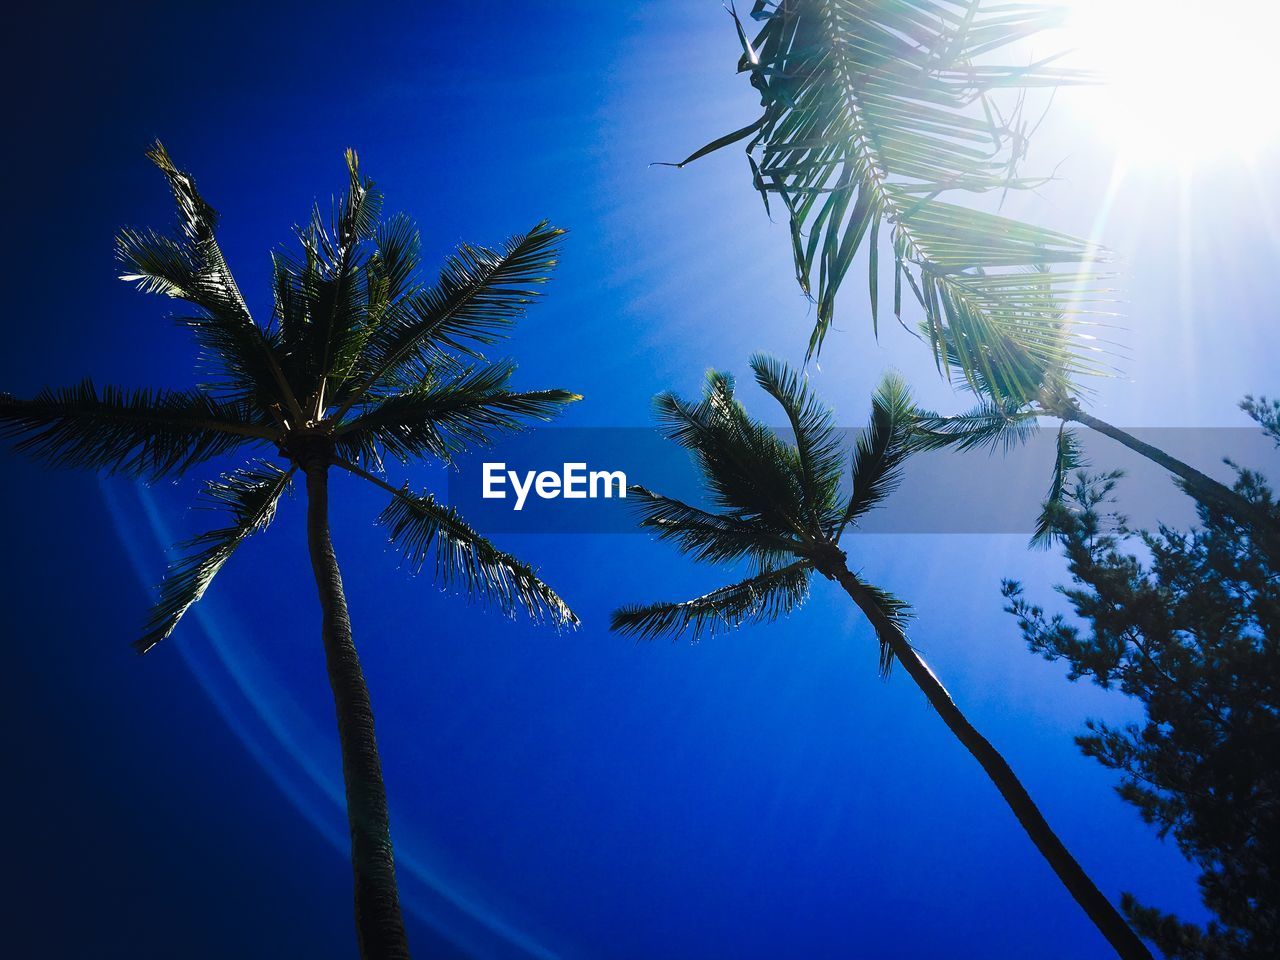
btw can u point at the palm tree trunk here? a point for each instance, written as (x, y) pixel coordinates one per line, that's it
(1201, 486)
(1099, 909)
(379, 927)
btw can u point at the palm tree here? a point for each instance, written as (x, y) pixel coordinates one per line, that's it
(360, 360)
(782, 507)
(872, 113)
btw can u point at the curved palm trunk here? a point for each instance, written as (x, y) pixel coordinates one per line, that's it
(1204, 487)
(379, 927)
(1100, 910)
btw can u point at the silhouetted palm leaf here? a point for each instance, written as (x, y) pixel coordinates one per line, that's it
(781, 505)
(747, 468)
(881, 450)
(770, 594)
(480, 294)
(708, 536)
(423, 528)
(250, 494)
(191, 267)
(1067, 457)
(816, 437)
(440, 418)
(142, 433)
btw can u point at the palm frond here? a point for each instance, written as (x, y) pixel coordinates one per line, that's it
(239, 354)
(396, 258)
(336, 287)
(871, 113)
(881, 450)
(353, 272)
(767, 596)
(747, 468)
(990, 425)
(896, 611)
(250, 495)
(140, 433)
(818, 442)
(712, 537)
(1067, 457)
(994, 309)
(442, 417)
(480, 294)
(465, 559)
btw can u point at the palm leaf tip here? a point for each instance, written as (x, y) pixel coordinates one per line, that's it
(190, 266)
(480, 295)
(817, 441)
(443, 416)
(767, 596)
(1068, 456)
(250, 496)
(882, 448)
(423, 528)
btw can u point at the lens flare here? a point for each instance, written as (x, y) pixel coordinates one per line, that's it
(1185, 79)
(246, 702)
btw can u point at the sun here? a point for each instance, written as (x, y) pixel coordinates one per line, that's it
(1186, 80)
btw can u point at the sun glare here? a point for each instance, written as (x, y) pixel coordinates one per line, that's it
(1186, 79)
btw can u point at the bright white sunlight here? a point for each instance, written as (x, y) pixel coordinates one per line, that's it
(1186, 80)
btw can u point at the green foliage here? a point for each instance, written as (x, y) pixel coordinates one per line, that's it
(881, 449)
(780, 504)
(1266, 413)
(708, 537)
(440, 416)
(250, 495)
(140, 433)
(817, 441)
(765, 597)
(895, 610)
(464, 559)
(990, 426)
(1067, 457)
(480, 294)
(238, 353)
(1187, 624)
(872, 113)
(362, 359)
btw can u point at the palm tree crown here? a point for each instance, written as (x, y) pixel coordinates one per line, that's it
(783, 507)
(361, 361)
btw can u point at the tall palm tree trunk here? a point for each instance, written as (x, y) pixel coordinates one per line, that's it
(379, 927)
(1202, 486)
(1100, 910)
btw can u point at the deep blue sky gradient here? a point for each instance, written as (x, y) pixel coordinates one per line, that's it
(577, 796)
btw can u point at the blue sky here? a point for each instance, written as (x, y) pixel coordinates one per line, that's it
(568, 796)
